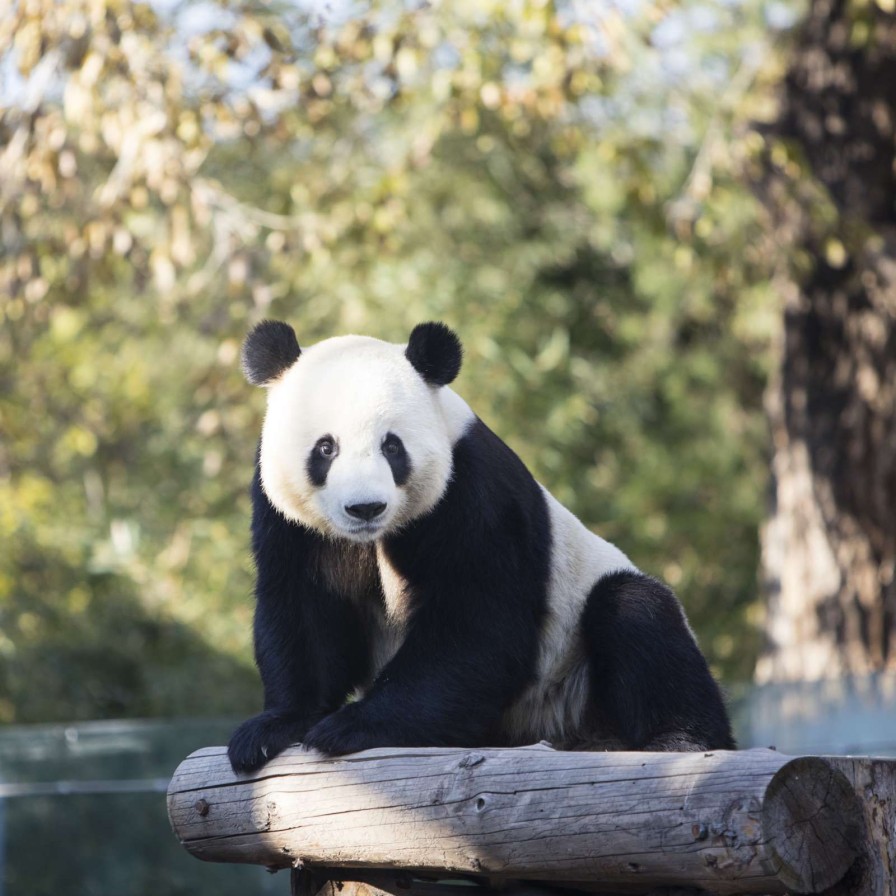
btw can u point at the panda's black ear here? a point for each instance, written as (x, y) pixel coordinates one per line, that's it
(435, 353)
(268, 350)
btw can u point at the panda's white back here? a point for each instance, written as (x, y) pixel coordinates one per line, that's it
(552, 707)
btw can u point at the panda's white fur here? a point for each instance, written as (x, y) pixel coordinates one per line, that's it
(551, 708)
(356, 391)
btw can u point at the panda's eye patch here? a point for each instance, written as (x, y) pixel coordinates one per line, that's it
(319, 460)
(397, 457)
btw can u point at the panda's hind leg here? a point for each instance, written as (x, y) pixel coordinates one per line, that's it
(650, 686)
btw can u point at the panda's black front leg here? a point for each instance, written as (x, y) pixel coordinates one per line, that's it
(297, 693)
(309, 642)
(448, 685)
(309, 662)
(310, 652)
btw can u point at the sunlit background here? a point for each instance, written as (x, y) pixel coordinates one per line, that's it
(610, 203)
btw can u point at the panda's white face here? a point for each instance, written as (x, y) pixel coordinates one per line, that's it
(355, 443)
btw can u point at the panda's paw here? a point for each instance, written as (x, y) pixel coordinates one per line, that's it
(348, 730)
(261, 738)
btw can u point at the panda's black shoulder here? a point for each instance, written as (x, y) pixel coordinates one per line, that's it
(488, 461)
(491, 507)
(491, 484)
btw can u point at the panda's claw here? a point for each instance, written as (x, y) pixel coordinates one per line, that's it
(261, 738)
(342, 732)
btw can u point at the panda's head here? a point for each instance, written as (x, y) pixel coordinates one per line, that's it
(358, 435)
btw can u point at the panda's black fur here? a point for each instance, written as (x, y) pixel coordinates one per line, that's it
(475, 570)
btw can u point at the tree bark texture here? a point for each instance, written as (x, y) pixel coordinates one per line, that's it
(726, 822)
(829, 546)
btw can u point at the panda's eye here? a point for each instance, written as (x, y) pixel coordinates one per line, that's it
(392, 446)
(325, 447)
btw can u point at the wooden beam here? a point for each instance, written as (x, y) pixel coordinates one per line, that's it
(874, 782)
(326, 882)
(329, 882)
(753, 821)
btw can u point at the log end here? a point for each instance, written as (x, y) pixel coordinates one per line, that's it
(812, 823)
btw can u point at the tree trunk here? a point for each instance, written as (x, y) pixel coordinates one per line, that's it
(829, 545)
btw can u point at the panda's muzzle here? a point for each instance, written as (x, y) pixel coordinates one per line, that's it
(366, 512)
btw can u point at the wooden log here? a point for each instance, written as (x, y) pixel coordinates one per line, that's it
(729, 822)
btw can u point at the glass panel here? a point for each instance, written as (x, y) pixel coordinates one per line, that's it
(840, 716)
(83, 813)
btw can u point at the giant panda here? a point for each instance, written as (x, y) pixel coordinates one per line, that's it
(406, 556)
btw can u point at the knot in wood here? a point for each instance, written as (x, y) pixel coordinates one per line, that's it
(471, 760)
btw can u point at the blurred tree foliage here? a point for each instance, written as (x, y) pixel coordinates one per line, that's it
(559, 185)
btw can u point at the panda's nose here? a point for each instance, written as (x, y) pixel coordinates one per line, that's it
(366, 512)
